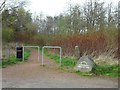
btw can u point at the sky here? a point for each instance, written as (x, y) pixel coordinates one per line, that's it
(55, 7)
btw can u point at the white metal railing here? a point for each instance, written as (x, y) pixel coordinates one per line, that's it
(32, 47)
(51, 47)
(42, 52)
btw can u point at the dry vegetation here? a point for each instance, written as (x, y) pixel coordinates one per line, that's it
(96, 33)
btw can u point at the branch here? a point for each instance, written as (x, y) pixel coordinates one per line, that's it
(2, 5)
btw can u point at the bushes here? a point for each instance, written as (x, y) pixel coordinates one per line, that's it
(8, 34)
(91, 42)
(29, 38)
(107, 70)
(13, 60)
(112, 42)
(97, 42)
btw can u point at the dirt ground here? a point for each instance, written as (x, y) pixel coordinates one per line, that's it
(32, 74)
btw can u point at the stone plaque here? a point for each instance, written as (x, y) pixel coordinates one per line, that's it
(85, 64)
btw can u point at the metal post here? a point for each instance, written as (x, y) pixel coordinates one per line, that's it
(51, 47)
(32, 47)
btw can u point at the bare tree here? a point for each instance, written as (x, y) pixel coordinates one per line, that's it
(2, 5)
(94, 15)
(75, 18)
(119, 14)
(49, 25)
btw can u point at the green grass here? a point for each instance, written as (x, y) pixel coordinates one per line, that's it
(0, 63)
(13, 60)
(26, 54)
(103, 70)
(66, 61)
(98, 70)
(107, 70)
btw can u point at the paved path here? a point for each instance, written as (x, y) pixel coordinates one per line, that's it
(32, 75)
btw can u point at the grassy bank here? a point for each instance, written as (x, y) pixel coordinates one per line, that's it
(66, 61)
(99, 70)
(103, 70)
(13, 60)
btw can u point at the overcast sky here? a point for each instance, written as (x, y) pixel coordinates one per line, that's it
(55, 7)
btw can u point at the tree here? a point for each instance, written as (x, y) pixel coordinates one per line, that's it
(23, 18)
(94, 15)
(75, 19)
(49, 25)
(40, 21)
(16, 19)
(119, 15)
(62, 24)
(112, 20)
(2, 5)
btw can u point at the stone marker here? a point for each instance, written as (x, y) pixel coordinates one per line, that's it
(77, 52)
(85, 64)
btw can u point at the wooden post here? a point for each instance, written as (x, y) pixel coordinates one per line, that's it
(8, 52)
(77, 52)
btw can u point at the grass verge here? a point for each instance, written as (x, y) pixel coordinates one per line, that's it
(99, 70)
(66, 61)
(103, 70)
(13, 60)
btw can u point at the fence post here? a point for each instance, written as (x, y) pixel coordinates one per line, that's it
(23, 53)
(8, 52)
(38, 54)
(60, 56)
(77, 52)
(42, 55)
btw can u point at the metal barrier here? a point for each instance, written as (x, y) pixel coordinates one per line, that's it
(43, 52)
(51, 47)
(32, 47)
